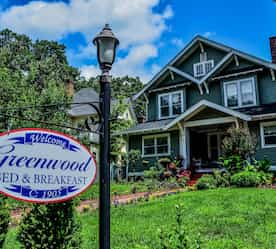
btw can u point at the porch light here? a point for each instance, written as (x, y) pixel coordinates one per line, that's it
(106, 44)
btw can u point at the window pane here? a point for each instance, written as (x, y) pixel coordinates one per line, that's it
(177, 103)
(149, 142)
(232, 95)
(270, 135)
(247, 92)
(176, 98)
(208, 67)
(149, 146)
(162, 145)
(176, 109)
(165, 111)
(164, 100)
(162, 141)
(164, 106)
(149, 150)
(163, 149)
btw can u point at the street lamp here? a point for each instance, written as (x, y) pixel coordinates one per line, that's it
(106, 44)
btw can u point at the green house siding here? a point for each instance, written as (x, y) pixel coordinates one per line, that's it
(135, 143)
(212, 54)
(243, 64)
(194, 96)
(267, 88)
(269, 153)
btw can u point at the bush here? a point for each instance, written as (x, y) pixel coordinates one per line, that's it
(152, 173)
(239, 142)
(206, 182)
(263, 165)
(4, 220)
(233, 164)
(50, 226)
(246, 179)
(222, 179)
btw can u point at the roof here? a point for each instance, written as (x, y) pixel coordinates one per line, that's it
(157, 125)
(84, 95)
(230, 53)
(259, 110)
(88, 95)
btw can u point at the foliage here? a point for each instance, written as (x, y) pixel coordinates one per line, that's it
(206, 182)
(239, 142)
(233, 163)
(4, 220)
(222, 179)
(152, 173)
(246, 179)
(263, 165)
(50, 226)
(177, 238)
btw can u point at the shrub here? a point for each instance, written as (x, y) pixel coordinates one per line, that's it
(246, 179)
(222, 179)
(4, 220)
(206, 182)
(233, 164)
(263, 165)
(50, 226)
(152, 173)
(239, 142)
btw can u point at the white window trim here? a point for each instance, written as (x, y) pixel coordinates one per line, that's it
(264, 124)
(238, 83)
(204, 67)
(170, 104)
(155, 145)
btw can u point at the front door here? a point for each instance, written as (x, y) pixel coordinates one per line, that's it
(214, 145)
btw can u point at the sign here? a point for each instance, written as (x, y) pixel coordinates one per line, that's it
(44, 166)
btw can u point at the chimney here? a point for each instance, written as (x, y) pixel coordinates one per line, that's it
(273, 48)
(70, 88)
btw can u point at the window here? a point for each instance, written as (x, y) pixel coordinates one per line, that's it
(158, 145)
(202, 68)
(170, 104)
(240, 93)
(268, 134)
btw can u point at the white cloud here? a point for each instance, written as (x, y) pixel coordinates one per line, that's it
(132, 64)
(178, 42)
(209, 34)
(134, 22)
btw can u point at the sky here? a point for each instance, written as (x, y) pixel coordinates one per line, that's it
(151, 32)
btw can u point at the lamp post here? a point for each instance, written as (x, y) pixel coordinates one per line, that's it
(106, 44)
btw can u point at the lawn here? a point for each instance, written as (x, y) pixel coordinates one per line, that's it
(224, 218)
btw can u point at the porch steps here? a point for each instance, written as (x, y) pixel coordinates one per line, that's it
(194, 179)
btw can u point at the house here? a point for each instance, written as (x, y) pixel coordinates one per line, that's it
(79, 113)
(205, 89)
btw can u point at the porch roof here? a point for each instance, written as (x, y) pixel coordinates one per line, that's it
(152, 126)
(192, 111)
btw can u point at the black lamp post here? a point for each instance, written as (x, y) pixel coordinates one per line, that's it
(106, 44)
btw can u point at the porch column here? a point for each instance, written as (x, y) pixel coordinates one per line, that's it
(183, 144)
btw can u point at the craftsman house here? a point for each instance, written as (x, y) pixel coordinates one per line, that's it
(197, 96)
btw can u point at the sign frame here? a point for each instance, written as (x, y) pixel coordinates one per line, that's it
(60, 200)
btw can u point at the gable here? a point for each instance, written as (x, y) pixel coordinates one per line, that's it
(212, 54)
(208, 113)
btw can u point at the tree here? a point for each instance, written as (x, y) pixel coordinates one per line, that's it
(36, 74)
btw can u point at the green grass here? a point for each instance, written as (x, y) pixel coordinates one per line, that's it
(225, 219)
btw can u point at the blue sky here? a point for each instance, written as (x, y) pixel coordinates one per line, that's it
(151, 31)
